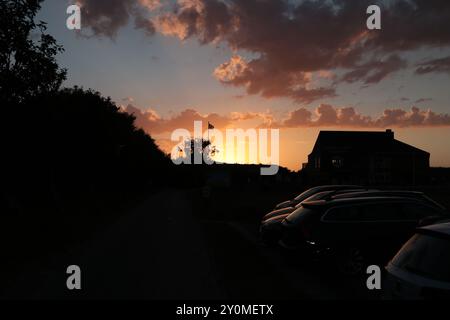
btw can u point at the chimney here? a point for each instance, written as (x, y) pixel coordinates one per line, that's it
(390, 133)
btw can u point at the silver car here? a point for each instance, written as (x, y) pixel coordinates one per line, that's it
(421, 269)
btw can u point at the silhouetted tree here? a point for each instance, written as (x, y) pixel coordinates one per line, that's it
(70, 156)
(199, 148)
(27, 54)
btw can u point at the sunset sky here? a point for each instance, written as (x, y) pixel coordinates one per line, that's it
(300, 66)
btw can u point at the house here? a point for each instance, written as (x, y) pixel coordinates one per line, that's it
(366, 158)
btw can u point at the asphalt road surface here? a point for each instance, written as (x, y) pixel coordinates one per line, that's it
(160, 250)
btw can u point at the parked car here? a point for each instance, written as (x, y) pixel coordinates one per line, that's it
(322, 195)
(355, 231)
(306, 194)
(270, 227)
(391, 193)
(421, 269)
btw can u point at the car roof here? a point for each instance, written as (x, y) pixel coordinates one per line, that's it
(440, 228)
(379, 192)
(331, 187)
(392, 193)
(335, 187)
(359, 200)
(333, 193)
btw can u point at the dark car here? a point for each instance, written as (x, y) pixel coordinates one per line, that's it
(421, 269)
(316, 193)
(270, 228)
(355, 231)
(308, 193)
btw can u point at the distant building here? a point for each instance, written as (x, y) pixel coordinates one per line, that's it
(367, 158)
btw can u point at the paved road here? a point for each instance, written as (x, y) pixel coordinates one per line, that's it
(161, 251)
(155, 252)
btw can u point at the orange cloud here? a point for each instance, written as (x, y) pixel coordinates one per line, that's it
(324, 115)
(169, 25)
(151, 122)
(229, 71)
(327, 115)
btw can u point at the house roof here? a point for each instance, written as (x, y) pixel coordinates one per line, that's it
(363, 141)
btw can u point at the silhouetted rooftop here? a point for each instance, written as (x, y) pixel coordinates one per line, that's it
(361, 141)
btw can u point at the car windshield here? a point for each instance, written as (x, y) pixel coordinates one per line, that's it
(426, 256)
(298, 215)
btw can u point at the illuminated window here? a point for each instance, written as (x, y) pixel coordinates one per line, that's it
(337, 162)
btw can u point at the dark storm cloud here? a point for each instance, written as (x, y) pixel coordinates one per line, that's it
(292, 39)
(374, 71)
(140, 22)
(434, 65)
(423, 100)
(106, 17)
(289, 40)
